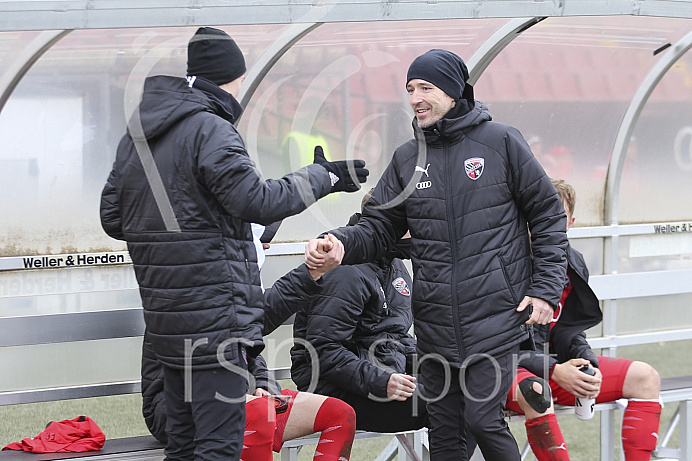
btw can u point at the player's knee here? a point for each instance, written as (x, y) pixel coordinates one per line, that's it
(646, 381)
(349, 416)
(339, 412)
(652, 378)
(536, 393)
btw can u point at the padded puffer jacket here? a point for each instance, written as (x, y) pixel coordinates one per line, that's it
(286, 295)
(566, 339)
(357, 329)
(469, 190)
(197, 268)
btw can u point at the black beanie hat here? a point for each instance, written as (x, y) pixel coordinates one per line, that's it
(443, 69)
(214, 55)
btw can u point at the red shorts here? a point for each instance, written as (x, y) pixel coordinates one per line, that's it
(613, 369)
(283, 410)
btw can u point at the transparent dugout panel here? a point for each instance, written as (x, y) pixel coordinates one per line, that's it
(656, 182)
(60, 128)
(53, 291)
(637, 315)
(566, 83)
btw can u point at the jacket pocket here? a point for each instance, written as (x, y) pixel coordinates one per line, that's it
(508, 281)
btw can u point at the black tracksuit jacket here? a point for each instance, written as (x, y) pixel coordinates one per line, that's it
(467, 188)
(199, 284)
(358, 328)
(285, 296)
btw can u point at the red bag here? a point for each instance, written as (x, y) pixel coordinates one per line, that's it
(71, 435)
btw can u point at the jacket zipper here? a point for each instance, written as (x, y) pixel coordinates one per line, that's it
(452, 241)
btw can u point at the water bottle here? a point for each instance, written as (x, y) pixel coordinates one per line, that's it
(583, 407)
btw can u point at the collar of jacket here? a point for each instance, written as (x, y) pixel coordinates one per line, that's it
(225, 105)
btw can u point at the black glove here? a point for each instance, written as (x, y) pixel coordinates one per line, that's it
(343, 172)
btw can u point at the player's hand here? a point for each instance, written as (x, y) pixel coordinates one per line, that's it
(345, 175)
(259, 392)
(541, 312)
(598, 375)
(400, 386)
(323, 255)
(568, 376)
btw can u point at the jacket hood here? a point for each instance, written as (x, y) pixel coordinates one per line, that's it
(167, 100)
(453, 123)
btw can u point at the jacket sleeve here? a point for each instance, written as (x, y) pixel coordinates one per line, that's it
(382, 223)
(540, 205)
(227, 171)
(579, 348)
(287, 296)
(330, 329)
(580, 312)
(257, 367)
(110, 214)
(411, 352)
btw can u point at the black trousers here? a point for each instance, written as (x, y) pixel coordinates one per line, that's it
(470, 399)
(204, 425)
(389, 416)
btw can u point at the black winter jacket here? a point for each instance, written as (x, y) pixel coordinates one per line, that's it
(197, 270)
(466, 188)
(288, 293)
(567, 339)
(358, 326)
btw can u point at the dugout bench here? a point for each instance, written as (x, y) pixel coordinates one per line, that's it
(88, 327)
(110, 325)
(674, 390)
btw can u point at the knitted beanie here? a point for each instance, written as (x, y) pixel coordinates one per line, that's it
(214, 55)
(443, 69)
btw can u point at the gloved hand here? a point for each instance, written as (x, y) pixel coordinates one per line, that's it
(343, 172)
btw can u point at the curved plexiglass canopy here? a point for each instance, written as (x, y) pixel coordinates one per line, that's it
(601, 92)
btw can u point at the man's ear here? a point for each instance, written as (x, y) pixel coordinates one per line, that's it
(571, 222)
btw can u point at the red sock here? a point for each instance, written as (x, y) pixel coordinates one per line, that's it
(336, 420)
(260, 422)
(545, 438)
(640, 429)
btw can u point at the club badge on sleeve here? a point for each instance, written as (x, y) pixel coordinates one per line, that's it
(401, 286)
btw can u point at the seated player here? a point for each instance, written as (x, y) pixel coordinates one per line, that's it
(615, 378)
(358, 325)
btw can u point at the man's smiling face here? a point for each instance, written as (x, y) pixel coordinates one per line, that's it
(429, 103)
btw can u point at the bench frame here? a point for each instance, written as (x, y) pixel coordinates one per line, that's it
(410, 446)
(609, 288)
